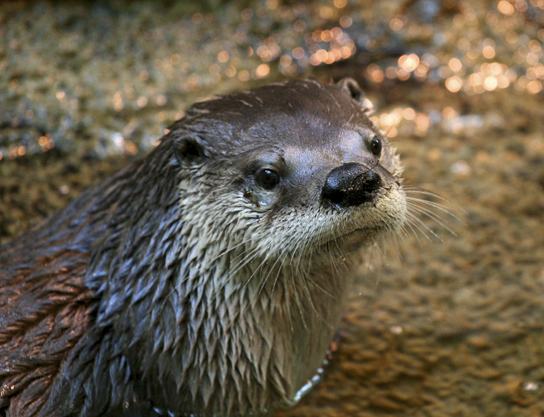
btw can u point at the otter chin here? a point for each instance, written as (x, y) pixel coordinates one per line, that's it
(208, 278)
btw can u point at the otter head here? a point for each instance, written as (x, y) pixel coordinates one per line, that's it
(290, 170)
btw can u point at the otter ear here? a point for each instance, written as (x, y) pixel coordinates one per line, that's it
(189, 150)
(350, 87)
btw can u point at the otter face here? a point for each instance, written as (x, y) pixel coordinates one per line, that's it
(306, 165)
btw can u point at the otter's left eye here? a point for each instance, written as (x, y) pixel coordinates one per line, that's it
(268, 179)
(376, 146)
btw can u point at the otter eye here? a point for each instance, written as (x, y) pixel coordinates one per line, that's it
(376, 146)
(268, 179)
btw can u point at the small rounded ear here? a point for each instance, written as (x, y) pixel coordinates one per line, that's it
(350, 87)
(189, 150)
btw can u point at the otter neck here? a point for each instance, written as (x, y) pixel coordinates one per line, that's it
(238, 344)
(213, 337)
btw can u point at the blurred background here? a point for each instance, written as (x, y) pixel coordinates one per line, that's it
(441, 326)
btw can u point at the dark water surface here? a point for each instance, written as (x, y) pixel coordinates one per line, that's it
(452, 328)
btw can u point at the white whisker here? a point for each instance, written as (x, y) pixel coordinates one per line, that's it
(431, 215)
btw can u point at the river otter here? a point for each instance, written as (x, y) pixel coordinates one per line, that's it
(206, 279)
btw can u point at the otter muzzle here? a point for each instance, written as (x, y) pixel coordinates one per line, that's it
(350, 184)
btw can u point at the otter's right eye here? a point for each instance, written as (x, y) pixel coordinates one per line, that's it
(268, 179)
(376, 146)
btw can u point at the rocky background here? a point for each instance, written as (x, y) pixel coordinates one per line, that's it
(450, 320)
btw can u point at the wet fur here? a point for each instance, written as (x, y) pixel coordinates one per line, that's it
(163, 289)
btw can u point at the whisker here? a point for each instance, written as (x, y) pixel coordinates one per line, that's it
(230, 249)
(412, 189)
(418, 223)
(268, 274)
(435, 205)
(432, 215)
(306, 289)
(410, 224)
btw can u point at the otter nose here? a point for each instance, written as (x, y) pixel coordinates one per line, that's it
(350, 184)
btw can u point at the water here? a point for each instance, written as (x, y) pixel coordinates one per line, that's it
(453, 329)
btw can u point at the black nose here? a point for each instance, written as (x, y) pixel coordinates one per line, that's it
(350, 184)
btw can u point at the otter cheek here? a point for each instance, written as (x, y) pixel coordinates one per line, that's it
(262, 200)
(265, 200)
